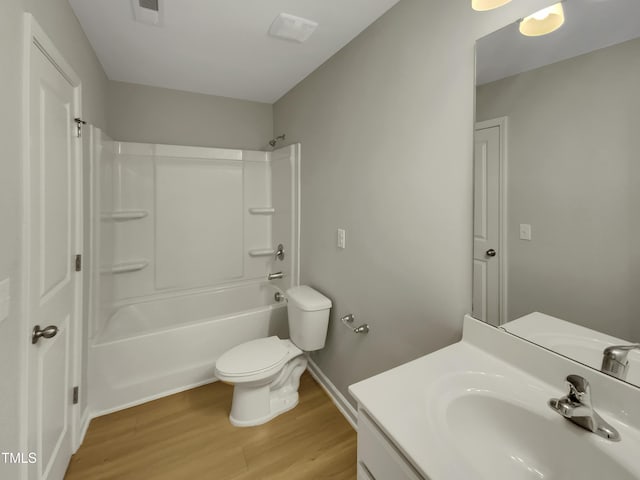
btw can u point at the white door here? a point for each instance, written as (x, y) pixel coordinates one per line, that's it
(486, 225)
(50, 274)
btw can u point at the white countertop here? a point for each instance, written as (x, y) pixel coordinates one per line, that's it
(409, 402)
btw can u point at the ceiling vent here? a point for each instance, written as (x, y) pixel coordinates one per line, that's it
(290, 27)
(147, 11)
(149, 4)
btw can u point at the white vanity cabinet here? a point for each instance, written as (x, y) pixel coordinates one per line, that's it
(378, 458)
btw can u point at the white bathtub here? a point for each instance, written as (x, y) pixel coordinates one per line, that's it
(154, 348)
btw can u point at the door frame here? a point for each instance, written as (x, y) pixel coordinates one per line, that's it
(34, 36)
(503, 124)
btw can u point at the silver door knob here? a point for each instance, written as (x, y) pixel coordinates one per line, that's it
(48, 332)
(491, 252)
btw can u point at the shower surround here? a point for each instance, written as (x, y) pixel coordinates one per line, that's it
(183, 241)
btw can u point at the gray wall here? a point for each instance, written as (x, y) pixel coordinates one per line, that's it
(139, 113)
(10, 114)
(386, 129)
(57, 19)
(574, 175)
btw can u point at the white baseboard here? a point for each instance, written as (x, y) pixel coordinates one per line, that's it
(84, 426)
(343, 405)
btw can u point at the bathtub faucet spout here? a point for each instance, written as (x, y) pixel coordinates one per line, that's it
(275, 276)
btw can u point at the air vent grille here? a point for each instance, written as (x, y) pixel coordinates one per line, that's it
(290, 27)
(149, 4)
(148, 11)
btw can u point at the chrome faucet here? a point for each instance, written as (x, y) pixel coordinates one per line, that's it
(577, 408)
(615, 362)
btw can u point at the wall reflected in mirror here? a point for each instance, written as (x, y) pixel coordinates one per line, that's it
(557, 182)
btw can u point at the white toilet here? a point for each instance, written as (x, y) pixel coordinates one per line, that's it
(266, 372)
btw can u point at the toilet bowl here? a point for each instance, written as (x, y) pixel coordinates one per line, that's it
(266, 372)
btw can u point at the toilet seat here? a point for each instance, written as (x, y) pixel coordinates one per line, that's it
(260, 357)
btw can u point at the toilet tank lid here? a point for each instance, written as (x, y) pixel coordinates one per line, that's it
(308, 299)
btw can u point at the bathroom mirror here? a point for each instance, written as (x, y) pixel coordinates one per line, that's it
(557, 182)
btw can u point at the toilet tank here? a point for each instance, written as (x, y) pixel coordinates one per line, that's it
(308, 312)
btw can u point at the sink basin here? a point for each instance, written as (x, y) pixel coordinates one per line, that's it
(503, 440)
(574, 341)
(500, 426)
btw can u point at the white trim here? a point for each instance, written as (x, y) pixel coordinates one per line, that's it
(84, 425)
(503, 124)
(94, 135)
(78, 326)
(343, 405)
(34, 36)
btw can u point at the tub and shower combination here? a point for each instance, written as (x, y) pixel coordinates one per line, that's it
(184, 239)
(152, 348)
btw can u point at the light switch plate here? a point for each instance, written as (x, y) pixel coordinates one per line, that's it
(525, 231)
(5, 298)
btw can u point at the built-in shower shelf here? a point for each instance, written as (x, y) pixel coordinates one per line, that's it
(132, 266)
(262, 252)
(262, 210)
(125, 214)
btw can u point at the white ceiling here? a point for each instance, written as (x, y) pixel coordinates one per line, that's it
(221, 47)
(589, 25)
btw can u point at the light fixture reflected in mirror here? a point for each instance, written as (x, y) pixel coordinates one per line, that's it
(483, 5)
(543, 21)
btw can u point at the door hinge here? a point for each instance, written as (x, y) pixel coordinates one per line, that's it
(78, 263)
(79, 123)
(76, 395)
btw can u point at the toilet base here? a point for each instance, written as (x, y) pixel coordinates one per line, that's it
(257, 404)
(275, 410)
